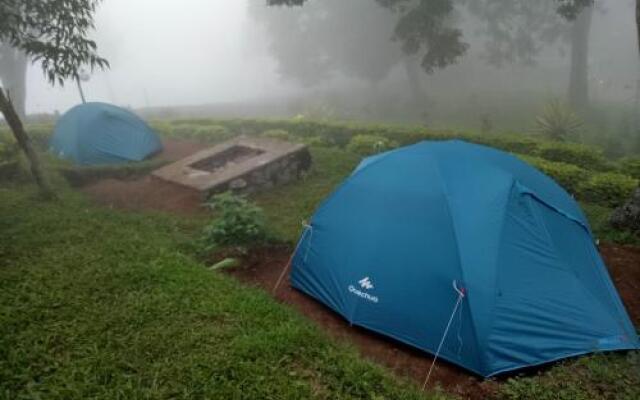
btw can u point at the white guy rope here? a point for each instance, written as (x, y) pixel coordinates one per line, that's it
(461, 295)
(307, 227)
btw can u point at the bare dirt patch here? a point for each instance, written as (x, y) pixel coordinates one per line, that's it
(149, 193)
(263, 267)
(624, 267)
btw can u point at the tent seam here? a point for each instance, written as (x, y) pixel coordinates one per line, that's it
(460, 266)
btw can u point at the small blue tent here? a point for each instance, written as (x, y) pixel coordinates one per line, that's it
(99, 133)
(454, 235)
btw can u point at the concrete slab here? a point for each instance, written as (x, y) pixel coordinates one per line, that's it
(243, 164)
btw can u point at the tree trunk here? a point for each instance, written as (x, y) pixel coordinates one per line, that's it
(13, 74)
(579, 78)
(23, 140)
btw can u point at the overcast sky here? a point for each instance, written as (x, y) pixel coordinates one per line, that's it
(168, 52)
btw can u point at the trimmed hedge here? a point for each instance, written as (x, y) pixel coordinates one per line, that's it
(581, 170)
(570, 177)
(630, 166)
(608, 188)
(573, 153)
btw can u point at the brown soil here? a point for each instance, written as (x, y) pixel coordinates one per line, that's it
(149, 193)
(263, 267)
(624, 266)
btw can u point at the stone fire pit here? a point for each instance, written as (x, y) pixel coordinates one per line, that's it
(243, 164)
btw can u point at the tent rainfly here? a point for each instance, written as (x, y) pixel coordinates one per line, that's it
(465, 252)
(99, 133)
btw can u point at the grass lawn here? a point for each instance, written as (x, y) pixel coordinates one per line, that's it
(103, 304)
(97, 303)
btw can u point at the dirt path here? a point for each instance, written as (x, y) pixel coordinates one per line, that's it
(263, 267)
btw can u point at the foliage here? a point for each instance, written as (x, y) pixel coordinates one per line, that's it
(204, 133)
(630, 166)
(572, 153)
(113, 306)
(569, 176)
(422, 28)
(302, 40)
(521, 144)
(238, 223)
(53, 33)
(538, 25)
(370, 144)
(426, 28)
(608, 188)
(280, 134)
(558, 122)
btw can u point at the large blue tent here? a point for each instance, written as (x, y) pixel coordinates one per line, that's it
(99, 133)
(463, 246)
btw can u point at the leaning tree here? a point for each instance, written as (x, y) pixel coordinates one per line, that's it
(54, 34)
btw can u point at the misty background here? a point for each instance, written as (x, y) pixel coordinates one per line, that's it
(337, 59)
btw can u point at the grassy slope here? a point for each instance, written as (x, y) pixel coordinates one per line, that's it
(105, 304)
(101, 304)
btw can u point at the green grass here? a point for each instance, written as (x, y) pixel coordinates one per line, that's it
(286, 207)
(611, 376)
(103, 304)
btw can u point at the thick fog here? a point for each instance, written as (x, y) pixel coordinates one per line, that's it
(165, 52)
(331, 57)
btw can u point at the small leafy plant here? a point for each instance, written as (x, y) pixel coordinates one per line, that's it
(238, 223)
(558, 122)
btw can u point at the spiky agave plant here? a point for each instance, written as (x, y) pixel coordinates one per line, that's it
(558, 121)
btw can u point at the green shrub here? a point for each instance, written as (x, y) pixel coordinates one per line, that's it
(520, 144)
(279, 134)
(570, 177)
(370, 144)
(317, 141)
(573, 153)
(630, 166)
(558, 122)
(238, 223)
(607, 188)
(202, 133)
